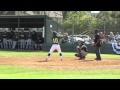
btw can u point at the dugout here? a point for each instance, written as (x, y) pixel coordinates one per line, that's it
(42, 24)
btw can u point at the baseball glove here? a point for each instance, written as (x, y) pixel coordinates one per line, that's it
(76, 55)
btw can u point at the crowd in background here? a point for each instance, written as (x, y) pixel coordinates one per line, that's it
(22, 40)
(34, 41)
(111, 38)
(106, 39)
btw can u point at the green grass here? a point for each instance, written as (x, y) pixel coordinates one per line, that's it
(15, 72)
(10, 72)
(38, 53)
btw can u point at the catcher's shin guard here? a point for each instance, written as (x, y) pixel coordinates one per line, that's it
(78, 50)
(80, 55)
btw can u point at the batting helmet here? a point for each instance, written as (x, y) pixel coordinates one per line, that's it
(54, 33)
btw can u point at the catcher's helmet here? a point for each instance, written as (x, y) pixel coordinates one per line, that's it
(82, 41)
(54, 33)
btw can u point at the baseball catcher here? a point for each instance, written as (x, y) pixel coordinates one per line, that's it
(82, 50)
(55, 46)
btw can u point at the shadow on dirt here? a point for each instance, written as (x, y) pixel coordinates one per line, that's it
(42, 61)
(84, 60)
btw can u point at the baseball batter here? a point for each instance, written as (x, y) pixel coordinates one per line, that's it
(55, 46)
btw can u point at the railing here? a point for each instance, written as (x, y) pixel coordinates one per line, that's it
(105, 49)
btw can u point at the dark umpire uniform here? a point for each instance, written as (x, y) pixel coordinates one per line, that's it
(97, 44)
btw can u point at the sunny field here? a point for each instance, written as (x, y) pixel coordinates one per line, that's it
(17, 72)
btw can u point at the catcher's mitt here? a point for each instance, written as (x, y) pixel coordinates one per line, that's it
(76, 55)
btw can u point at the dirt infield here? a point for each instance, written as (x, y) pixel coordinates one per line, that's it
(68, 63)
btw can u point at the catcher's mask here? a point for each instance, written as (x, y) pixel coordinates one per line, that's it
(82, 41)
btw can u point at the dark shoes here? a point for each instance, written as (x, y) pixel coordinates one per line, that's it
(82, 58)
(98, 59)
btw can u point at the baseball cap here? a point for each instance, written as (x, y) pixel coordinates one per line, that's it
(96, 30)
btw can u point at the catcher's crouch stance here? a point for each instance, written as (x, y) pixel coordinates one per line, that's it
(82, 50)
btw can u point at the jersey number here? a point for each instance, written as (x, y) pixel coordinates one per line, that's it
(55, 40)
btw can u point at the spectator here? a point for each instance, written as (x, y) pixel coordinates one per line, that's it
(65, 38)
(60, 35)
(111, 36)
(118, 43)
(108, 41)
(117, 36)
(102, 37)
(113, 41)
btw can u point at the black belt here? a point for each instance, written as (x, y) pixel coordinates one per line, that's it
(56, 43)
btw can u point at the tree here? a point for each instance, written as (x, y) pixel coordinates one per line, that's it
(111, 20)
(7, 12)
(82, 21)
(64, 13)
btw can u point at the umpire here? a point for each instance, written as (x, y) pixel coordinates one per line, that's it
(97, 44)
